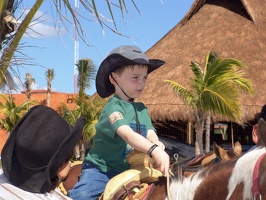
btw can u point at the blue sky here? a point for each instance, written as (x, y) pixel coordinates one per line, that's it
(55, 48)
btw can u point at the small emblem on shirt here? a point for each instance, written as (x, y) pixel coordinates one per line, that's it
(114, 117)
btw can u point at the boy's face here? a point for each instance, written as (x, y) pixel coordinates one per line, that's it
(132, 80)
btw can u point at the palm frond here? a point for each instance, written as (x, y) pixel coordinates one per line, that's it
(197, 71)
(111, 12)
(218, 68)
(12, 113)
(9, 52)
(181, 91)
(218, 100)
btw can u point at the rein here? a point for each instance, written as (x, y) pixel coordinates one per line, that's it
(255, 188)
(168, 183)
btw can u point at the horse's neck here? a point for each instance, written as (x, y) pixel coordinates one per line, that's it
(185, 189)
(228, 175)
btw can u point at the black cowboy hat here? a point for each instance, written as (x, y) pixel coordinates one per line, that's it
(37, 146)
(120, 57)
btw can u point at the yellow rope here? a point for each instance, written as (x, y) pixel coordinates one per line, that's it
(168, 183)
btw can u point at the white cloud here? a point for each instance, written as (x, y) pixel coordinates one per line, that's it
(34, 86)
(45, 88)
(41, 30)
(42, 26)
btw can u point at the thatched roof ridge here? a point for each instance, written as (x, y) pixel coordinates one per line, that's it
(256, 10)
(194, 8)
(253, 8)
(225, 26)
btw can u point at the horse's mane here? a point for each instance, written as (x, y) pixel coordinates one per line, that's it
(205, 177)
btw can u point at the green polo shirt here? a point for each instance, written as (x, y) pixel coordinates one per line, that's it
(109, 149)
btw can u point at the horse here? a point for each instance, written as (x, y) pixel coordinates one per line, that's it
(143, 181)
(236, 179)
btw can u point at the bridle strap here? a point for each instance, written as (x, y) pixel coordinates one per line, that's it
(255, 188)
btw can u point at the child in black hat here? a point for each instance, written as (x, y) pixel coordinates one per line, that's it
(36, 156)
(124, 125)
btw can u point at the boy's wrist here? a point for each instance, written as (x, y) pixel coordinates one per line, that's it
(151, 149)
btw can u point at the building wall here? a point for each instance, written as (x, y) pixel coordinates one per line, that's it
(56, 98)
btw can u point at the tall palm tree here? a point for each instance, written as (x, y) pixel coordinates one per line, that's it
(28, 83)
(216, 90)
(12, 112)
(49, 75)
(86, 73)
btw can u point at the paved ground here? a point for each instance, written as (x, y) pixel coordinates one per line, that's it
(183, 150)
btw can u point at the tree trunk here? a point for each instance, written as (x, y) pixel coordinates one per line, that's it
(208, 125)
(199, 134)
(48, 98)
(190, 133)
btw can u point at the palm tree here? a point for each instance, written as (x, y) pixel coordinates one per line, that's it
(49, 75)
(210, 93)
(13, 41)
(9, 42)
(88, 107)
(29, 81)
(12, 112)
(86, 73)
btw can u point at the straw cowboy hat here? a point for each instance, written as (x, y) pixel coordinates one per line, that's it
(120, 57)
(38, 145)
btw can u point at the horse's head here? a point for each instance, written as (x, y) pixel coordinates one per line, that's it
(220, 155)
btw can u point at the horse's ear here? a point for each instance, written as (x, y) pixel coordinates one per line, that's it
(238, 148)
(216, 150)
(220, 152)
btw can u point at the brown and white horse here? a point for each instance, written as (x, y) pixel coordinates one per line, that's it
(236, 179)
(159, 188)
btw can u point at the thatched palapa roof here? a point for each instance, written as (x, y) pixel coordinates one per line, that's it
(233, 29)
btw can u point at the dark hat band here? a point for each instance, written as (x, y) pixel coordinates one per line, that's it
(29, 168)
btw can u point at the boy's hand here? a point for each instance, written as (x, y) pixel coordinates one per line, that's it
(161, 159)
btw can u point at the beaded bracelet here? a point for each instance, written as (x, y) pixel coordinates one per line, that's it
(151, 149)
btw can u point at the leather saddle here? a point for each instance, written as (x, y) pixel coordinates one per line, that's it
(136, 183)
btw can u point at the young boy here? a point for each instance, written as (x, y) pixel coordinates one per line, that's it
(123, 124)
(36, 156)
